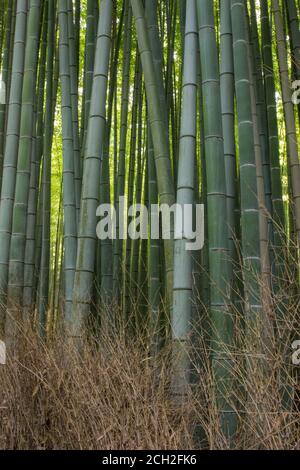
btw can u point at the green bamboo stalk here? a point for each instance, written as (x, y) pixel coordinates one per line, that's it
(46, 184)
(118, 244)
(77, 18)
(19, 223)
(135, 287)
(154, 280)
(259, 148)
(295, 34)
(228, 123)
(170, 89)
(291, 134)
(11, 151)
(248, 181)
(87, 242)
(262, 113)
(4, 77)
(254, 317)
(158, 131)
(39, 219)
(106, 255)
(29, 291)
(2, 13)
(56, 257)
(293, 172)
(182, 290)
(12, 35)
(156, 48)
(141, 246)
(69, 200)
(130, 285)
(204, 286)
(74, 100)
(90, 38)
(221, 319)
(271, 110)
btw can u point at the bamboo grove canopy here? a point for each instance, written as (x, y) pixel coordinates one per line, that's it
(130, 103)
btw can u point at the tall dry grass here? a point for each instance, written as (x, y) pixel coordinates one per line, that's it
(114, 395)
(117, 394)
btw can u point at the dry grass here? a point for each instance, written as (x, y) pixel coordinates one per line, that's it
(116, 395)
(111, 397)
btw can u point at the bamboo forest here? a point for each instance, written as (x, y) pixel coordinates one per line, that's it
(149, 224)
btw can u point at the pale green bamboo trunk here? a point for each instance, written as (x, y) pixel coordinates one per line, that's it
(69, 199)
(87, 241)
(182, 290)
(74, 101)
(4, 69)
(156, 48)
(295, 34)
(12, 34)
(106, 195)
(154, 280)
(228, 123)
(118, 266)
(137, 288)
(91, 30)
(29, 291)
(293, 177)
(46, 184)
(141, 248)
(130, 284)
(221, 321)
(248, 180)
(275, 168)
(259, 148)
(291, 135)
(158, 131)
(258, 83)
(11, 150)
(19, 223)
(154, 277)
(254, 317)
